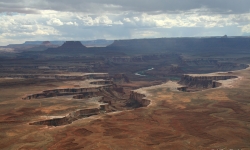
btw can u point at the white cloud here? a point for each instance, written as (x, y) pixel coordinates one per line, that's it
(127, 20)
(55, 22)
(77, 25)
(145, 34)
(111, 6)
(18, 28)
(87, 20)
(71, 23)
(103, 20)
(136, 19)
(246, 28)
(185, 19)
(97, 21)
(118, 23)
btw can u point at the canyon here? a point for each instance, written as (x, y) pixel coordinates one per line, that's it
(110, 93)
(164, 93)
(111, 97)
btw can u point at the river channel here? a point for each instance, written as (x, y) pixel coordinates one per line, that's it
(142, 73)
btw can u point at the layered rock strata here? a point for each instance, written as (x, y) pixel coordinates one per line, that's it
(68, 91)
(102, 82)
(73, 116)
(104, 107)
(201, 82)
(108, 94)
(112, 92)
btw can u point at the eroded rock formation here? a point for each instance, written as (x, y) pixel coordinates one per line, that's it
(69, 91)
(70, 117)
(139, 98)
(103, 82)
(201, 82)
(109, 94)
(112, 98)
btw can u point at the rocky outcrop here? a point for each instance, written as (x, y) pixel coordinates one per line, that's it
(140, 98)
(70, 117)
(109, 96)
(111, 92)
(68, 91)
(107, 87)
(73, 116)
(111, 100)
(96, 76)
(104, 107)
(53, 122)
(201, 82)
(86, 95)
(103, 82)
(183, 89)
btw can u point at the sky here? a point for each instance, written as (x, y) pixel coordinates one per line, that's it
(40, 20)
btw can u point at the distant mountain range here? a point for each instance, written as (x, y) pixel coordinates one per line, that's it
(206, 45)
(91, 43)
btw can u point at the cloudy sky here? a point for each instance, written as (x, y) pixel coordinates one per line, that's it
(23, 20)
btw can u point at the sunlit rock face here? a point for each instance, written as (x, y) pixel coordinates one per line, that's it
(202, 82)
(69, 118)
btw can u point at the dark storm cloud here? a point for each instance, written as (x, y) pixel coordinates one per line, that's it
(148, 6)
(18, 6)
(18, 10)
(221, 6)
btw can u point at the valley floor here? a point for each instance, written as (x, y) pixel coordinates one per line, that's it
(216, 118)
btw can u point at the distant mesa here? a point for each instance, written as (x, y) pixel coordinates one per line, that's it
(90, 43)
(184, 44)
(73, 44)
(46, 43)
(68, 47)
(225, 36)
